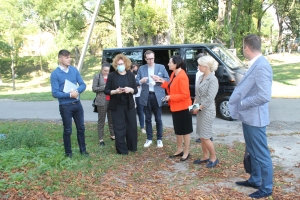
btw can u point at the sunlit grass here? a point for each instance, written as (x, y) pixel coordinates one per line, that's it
(286, 73)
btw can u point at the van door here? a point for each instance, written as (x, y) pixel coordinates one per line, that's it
(162, 56)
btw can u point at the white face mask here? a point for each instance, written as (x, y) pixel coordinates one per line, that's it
(121, 68)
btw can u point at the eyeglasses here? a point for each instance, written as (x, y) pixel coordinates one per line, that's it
(149, 59)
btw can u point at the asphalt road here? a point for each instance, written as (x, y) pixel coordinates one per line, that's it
(280, 110)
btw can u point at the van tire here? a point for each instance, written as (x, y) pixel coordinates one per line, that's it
(222, 107)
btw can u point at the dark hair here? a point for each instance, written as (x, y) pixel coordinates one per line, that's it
(133, 65)
(253, 42)
(148, 52)
(63, 52)
(105, 64)
(177, 60)
(200, 55)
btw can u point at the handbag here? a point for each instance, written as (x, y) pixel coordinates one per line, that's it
(247, 162)
(95, 106)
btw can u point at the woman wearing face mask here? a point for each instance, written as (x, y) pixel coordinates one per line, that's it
(121, 87)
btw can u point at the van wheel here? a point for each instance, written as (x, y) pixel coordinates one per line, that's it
(222, 108)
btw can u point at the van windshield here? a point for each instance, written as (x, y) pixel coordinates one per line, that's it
(227, 57)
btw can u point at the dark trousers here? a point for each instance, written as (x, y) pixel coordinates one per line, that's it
(152, 106)
(68, 111)
(102, 111)
(140, 112)
(261, 162)
(125, 129)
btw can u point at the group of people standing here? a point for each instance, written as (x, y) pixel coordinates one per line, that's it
(115, 97)
(149, 83)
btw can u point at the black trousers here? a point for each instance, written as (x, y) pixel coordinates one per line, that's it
(125, 128)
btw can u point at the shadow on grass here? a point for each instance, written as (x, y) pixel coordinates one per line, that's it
(285, 73)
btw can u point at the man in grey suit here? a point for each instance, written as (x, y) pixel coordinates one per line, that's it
(249, 103)
(152, 95)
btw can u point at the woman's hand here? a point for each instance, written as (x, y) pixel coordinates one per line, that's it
(194, 111)
(128, 90)
(158, 79)
(118, 91)
(167, 98)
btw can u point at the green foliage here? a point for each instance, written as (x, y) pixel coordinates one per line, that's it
(150, 18)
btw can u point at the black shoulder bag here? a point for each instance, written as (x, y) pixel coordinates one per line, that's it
(95, 106)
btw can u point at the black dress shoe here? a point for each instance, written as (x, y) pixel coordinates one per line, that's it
(101, 144)
(177, 155)
(199, 161)
(184, 159)
(212, 164)
(69, 155)
(198, 140)
(85, 153)
(246, 184)
(259, 194)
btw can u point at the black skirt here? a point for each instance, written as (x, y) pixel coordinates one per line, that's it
(182, 122)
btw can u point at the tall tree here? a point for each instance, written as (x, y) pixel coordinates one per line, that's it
(14, 22)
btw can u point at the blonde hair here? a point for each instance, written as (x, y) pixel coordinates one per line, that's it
(127, 61)
(209, 62)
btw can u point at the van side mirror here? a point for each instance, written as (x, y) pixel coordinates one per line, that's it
(220, 71)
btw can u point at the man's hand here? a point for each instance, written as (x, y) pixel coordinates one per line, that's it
(74, 94)
(144, 80)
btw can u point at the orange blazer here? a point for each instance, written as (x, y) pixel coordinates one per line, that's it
(179, 91)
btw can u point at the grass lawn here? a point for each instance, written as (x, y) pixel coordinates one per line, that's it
(33, 166)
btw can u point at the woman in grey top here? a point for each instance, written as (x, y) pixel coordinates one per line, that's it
(102, 102)
(206, 90)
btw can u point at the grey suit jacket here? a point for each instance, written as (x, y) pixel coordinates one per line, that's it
(249, 100)
(160, 71)
(98, 88)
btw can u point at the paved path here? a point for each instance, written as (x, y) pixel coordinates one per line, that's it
(280, 110)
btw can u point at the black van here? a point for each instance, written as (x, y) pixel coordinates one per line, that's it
(229, 73)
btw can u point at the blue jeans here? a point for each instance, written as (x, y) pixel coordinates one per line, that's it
(68, 111)
(152, 106)
(140, 112)
(261, 163)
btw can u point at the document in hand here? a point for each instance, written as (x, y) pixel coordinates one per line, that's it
(194, 106)
(69, 86)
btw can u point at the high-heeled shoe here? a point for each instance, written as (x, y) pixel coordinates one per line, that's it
(176, 155)
(184, 159)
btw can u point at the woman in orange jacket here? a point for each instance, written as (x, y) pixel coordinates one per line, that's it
(179, 100)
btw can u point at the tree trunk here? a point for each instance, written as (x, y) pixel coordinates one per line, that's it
(13, 75)
(221, 12)
(165, 37)
(143, 38)
(280, 32)
(250, 14)
(238, 14)
(228, 16)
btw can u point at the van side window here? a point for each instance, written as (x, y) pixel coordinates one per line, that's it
(191, 56)
(135, 56)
